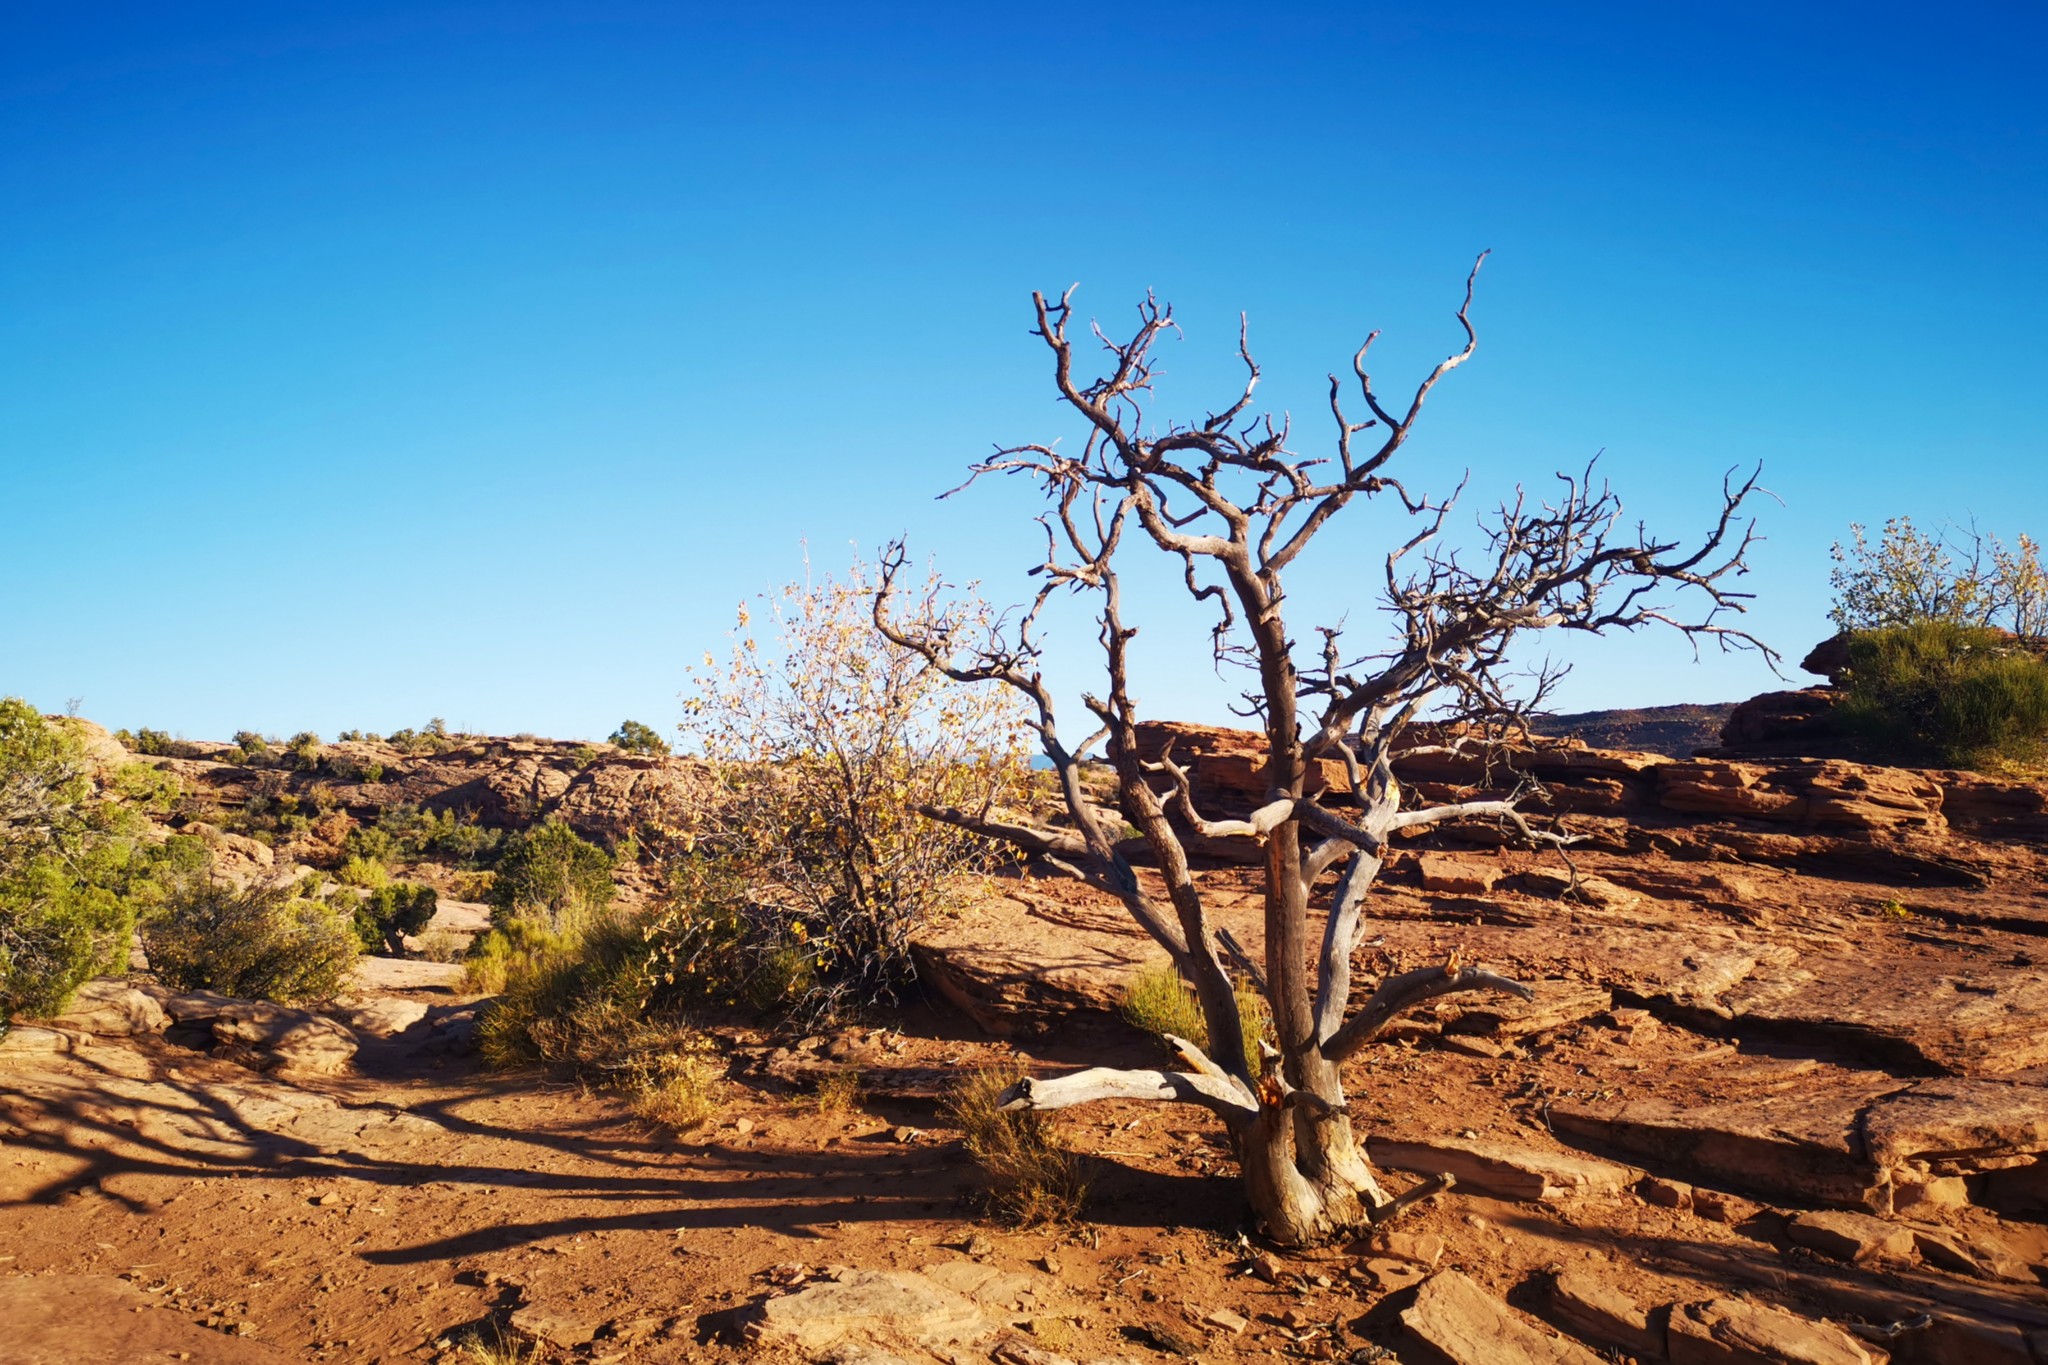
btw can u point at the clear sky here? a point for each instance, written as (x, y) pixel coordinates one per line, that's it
(365, 363)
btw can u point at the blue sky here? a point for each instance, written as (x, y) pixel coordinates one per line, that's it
(361, 363)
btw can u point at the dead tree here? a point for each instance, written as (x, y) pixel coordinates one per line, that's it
(1237, 507)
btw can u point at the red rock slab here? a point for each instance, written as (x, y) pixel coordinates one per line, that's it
(1592, 1309)
(1956, 1120)
(1505, 1170)
(1454, 1320)
(1736, 1332)
(1800, 1146)
(1962, 1016)
(94, 1320)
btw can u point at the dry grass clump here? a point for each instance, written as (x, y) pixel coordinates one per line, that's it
(582, 1001)
(441, 945)
(1160, 1001)
(1033, 1177)
(837, 1093)
(677, 1089)
(497, 1348)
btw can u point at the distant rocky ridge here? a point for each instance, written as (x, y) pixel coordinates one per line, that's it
(604, 793)
(1675, 731)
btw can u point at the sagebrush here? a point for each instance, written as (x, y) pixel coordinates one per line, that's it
(802, 883)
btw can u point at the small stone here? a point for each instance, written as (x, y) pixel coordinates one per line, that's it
(1473, 1047)
(1717, 1207)
(1929, 1195)
(1388, 1275)
(1456, 876)
(978, 1245)
(327, 1200)
(743, 1126)
(1665, 1194)
(1050, 1264)
(1421, 1248)
(907, 1134)
(1944, 1254)
(1227, 1320)
(553, 1328)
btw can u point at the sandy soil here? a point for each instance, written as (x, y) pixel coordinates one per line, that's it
(384, 1215)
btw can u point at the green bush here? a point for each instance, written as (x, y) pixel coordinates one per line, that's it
(585, 999)
(548, 870)
(145, 788)
(154, 744)
(261, 942)
(75, 869)
(1936, 692)
(302, 752)
(373, 842)
(389, 913)
(406, 831)
(433, 738)
(367, 873)
(636, 738)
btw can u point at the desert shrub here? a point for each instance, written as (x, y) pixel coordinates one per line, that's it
(407, 830)
(1160, 1001)
(385, 916)
(1937, 692)
(636, 738)
(432, 738)
(472, 885)
(551, 871)
(1956, 575)
(372, 842)
(677, 1087)
(153, 743)
(583, 1000)
(1033, 1176)
(351, 767)
(809, 873)
(368, 873)
(251, 746)
(583, 755)
(145, 788)
(712, 945)
(259, 942)
(494, 1345)
(75, 869)
(838, 1092)
(460, 838)
(509, 948)
(302, 752)
(56, 932)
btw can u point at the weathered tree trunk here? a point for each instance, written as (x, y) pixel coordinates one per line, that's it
(1236, 507)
